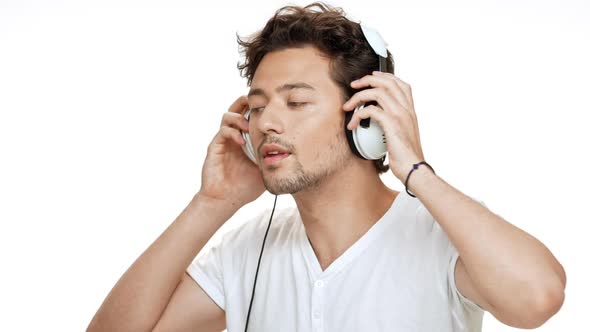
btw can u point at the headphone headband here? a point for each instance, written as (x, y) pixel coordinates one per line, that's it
(375, 40)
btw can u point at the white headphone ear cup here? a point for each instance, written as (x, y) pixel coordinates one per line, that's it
(248, 148)
(370, 142)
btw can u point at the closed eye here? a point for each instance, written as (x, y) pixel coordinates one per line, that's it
(291, 104)
(295, 104)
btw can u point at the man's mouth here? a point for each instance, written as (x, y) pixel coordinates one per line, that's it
(274, 153)
(274, 157)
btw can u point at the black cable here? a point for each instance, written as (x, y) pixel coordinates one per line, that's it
(258, 267)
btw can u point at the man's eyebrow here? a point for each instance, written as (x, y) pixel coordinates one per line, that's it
(284, 87)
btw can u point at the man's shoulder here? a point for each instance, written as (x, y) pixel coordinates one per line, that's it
(283, 219)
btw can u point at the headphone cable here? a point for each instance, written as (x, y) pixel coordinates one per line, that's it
(258, 266)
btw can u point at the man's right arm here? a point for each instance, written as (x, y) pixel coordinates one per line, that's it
(191, 309)
(156, 293)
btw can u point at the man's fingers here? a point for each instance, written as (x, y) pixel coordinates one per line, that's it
(239, 105)
(375, 94)
(227, 133)
(370, 111)
(234, 120)
(223, 137)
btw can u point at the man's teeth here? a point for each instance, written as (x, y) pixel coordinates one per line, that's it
(274, 152)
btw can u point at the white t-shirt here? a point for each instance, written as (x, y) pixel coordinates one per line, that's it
(399, 276)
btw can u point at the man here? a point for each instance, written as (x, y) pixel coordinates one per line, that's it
(353, 255)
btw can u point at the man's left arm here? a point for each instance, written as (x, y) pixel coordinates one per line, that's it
(503, 269)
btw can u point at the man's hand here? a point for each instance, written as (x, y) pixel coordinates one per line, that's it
(395, 114)
(228, 175)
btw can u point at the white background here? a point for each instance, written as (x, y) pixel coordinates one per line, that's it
(107, 107)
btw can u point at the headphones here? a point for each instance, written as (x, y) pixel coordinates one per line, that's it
(367, 140)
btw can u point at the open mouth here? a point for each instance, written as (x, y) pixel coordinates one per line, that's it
(274, 157)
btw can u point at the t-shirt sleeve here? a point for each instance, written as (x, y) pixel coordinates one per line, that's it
(216, 269)
(207, 271)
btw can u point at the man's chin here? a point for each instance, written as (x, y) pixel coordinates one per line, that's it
(282, 182)
(288, 177)
(277, 184)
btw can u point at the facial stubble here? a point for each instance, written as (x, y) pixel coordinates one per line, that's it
(299, 179)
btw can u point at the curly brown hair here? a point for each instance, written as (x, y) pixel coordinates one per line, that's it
(326, 28)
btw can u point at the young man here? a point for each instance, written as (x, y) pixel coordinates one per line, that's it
(353, 255)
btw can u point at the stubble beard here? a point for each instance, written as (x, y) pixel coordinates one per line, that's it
(299, 179)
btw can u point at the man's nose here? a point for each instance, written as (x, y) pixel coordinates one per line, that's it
(270, 120)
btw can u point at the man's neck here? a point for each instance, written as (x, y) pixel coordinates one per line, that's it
(342, 209)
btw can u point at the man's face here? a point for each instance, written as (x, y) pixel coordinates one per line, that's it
(295, 105)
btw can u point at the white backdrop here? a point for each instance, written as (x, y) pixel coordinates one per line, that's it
(107, 107)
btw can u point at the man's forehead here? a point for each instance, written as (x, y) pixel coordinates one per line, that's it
(292, 64)
(291, 69)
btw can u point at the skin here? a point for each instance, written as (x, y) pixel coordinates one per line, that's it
(497, 259)
(336, 208)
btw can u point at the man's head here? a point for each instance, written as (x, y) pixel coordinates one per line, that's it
(299, 68)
